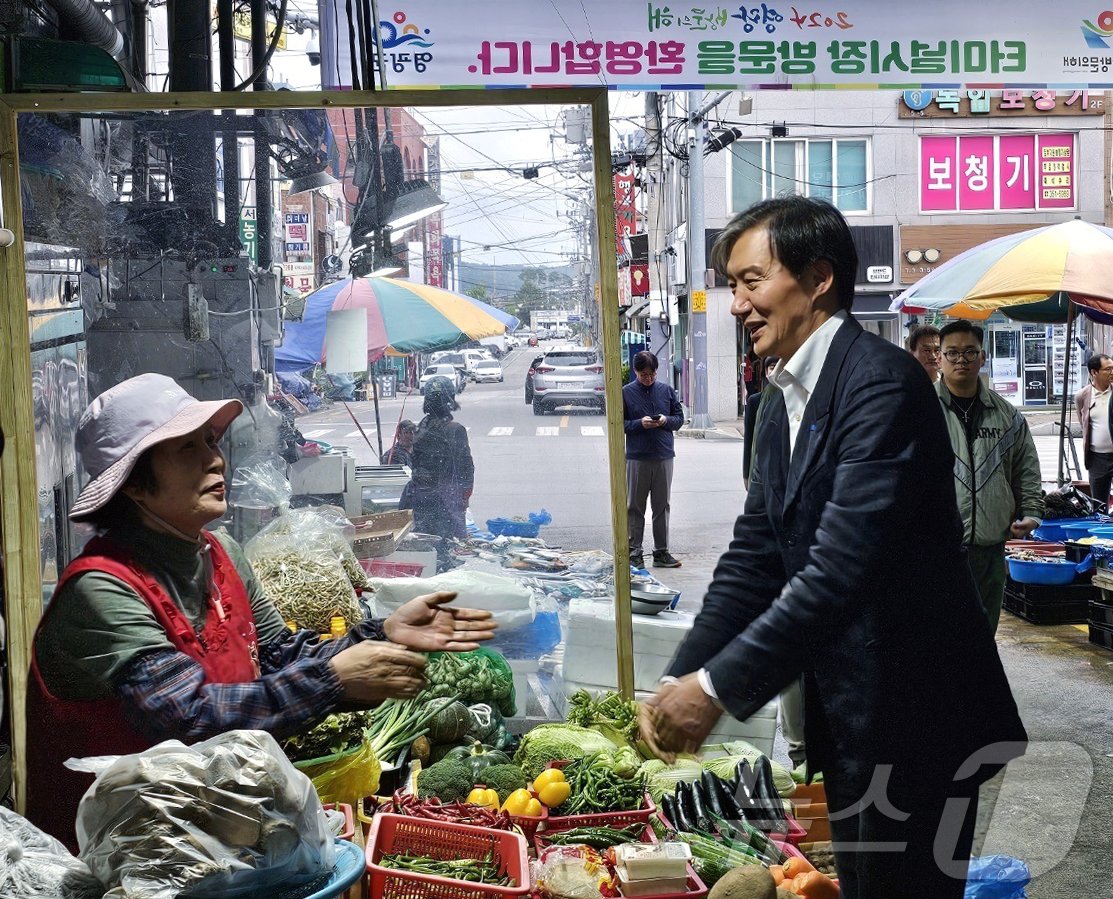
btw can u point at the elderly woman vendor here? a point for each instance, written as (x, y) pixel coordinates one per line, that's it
(160, 630)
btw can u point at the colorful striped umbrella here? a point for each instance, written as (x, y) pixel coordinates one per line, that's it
(1074, 258)
(402, 317)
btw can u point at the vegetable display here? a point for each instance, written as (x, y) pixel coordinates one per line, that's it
(451, 722)
(337, 733)
(484, 870)
(596, 837)
(503, 779)
(596, 787)
(395, 724)
(478, 758)
(453, 812)
(556, 742)
(448, 780)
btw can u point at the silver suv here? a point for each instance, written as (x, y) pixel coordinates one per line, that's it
(568, 376)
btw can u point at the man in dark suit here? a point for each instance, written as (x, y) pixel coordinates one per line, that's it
(846, 567)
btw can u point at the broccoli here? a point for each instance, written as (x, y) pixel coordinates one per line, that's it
(503, 779)
(448, 780)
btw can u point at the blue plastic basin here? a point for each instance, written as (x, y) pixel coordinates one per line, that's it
(1049, 573)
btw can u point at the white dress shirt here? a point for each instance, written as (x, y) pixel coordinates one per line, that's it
(796, 378)
(1100, 440)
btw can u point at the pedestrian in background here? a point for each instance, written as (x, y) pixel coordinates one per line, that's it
(443, 471)
(401, 451)
(846, 567)
(1092, 403)
(749, 416)
(997, 469)
(923, 343)
(652, 412)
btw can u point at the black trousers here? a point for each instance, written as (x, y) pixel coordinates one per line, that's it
(902, 848)
(1100, 471)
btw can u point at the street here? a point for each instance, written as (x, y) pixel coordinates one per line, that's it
(1049, 808)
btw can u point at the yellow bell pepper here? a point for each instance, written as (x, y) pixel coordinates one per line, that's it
(517, 802)
(548, 776)
(554, 793)
(485, 798)
(533, 808)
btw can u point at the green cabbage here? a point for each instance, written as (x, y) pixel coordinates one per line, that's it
(737, 750)
(661, 779)
(551, 742)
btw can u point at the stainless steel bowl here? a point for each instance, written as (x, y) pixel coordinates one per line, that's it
(651, 599)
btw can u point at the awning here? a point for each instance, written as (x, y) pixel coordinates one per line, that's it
(873, 307)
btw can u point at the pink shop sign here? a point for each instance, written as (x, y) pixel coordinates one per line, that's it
(977, 173)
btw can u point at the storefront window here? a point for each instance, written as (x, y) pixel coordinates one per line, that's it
(833, 170)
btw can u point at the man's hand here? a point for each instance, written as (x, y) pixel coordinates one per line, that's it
(427, 624)
(648, 422)
(677, 718)
(1022, 528)
(372, 670)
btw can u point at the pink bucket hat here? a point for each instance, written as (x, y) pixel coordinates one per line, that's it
(129, 418)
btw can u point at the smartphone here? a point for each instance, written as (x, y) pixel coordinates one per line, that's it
(658, 417)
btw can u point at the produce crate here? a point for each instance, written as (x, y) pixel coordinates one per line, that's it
(1072, 611)
(441, 840)
(1101, 636)
(506, 527)
(789, 849)
(1043, 593)
(379, 534)
(604, 819)
(1101, 613)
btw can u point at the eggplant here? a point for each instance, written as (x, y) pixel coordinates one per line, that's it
(699, 799)
(721, 801)
(681, 821)
(687, 805)
(711, 789)
(668, 806)
(765, 791)
(744, 792)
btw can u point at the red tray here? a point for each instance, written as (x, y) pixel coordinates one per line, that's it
(441, 839)
(541, 841)
(604, 819)
(349, 830)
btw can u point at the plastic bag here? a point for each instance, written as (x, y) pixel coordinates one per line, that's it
(504, 597)
(260, 484)
(488, 726)
(346, 776)
(997, 877)
(33, 863)
(308, 569)
(573, 872)
(221, 818)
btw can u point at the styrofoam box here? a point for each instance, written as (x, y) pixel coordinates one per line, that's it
(760, 728)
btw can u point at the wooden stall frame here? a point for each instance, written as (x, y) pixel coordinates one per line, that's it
(19, 524)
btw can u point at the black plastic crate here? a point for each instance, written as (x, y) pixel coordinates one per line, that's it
(1069, 612)
(1101, 613)
(1101, 636)
(1081, 591)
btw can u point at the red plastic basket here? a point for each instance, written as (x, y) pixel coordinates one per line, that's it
(530, 824)
(349, 830)
(604, 819)
(542, 841)
(442, 840)
(380, 568)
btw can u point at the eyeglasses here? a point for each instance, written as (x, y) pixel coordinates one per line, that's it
(964, 355)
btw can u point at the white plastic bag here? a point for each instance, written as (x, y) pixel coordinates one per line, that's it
(33, 863)
(505, 598)
(221, 818)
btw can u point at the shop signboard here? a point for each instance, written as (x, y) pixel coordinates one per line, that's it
(298, 275)
(249, 233)
(640, 45)
(1012, 103)
(997, 172)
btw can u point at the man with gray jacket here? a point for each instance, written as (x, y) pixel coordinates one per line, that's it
(997, 470)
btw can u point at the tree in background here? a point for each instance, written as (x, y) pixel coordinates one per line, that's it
(542, 288)
(478, 292)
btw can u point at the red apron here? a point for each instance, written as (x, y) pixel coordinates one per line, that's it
(59, 729)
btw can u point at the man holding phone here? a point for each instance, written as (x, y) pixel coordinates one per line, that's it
(652, 412)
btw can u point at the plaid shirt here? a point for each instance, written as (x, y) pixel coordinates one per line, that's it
(165, 695)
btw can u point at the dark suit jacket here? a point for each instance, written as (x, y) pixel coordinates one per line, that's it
(847, 565)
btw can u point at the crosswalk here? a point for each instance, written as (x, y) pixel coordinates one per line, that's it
(1047, 446)
(546, 431)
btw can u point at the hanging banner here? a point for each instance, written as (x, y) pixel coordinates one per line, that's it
(640, 45)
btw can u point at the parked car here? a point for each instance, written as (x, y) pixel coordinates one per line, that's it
(471, 359)
(487, 370)
(529, 377)
(445, 370)
(568, 376)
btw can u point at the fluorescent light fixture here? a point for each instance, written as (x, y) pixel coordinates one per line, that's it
(416, 200)
(301, 183)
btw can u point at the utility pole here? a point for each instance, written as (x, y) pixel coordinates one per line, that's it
(655, 234)
(697, 256)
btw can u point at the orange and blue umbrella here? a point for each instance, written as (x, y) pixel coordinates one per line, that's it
(402, 317)
(1017, 273)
